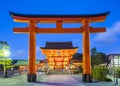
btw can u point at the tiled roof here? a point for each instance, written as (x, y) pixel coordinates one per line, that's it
(116, 54)
(59, 45)
(58, 15)
(24, 62)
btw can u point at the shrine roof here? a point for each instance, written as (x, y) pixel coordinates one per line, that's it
(58, 45)
(58, 15)
(114, 54)
(24, 62)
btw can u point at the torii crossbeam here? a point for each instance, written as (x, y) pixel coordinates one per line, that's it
(85, 29)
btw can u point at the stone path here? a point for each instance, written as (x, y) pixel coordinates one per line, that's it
(60, 80)
(69, 80)
(51, 80)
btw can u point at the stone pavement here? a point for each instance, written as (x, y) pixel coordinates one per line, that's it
(59, 80)
(50, 80)
(69, 80)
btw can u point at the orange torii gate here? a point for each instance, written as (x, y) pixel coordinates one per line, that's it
(85, 29)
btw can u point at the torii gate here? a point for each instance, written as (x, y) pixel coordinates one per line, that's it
(85, 29)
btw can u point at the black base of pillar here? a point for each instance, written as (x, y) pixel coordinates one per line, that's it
(31, 77)
(87, 78)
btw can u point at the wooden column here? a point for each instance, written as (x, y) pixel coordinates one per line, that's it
(86, 53)
(32, 53)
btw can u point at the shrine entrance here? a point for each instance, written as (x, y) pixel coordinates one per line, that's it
(85, 29)
(58, 54)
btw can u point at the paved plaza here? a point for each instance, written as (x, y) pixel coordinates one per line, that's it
(70, 80)
(51, 80)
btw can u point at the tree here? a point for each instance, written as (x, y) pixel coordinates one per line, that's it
(7, 63)
(103, 56)
(4, 49)
(77, 56)
(5, 60)
(93, 52)
(97, 58)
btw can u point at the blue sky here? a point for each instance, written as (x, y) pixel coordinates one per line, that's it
(108, 42)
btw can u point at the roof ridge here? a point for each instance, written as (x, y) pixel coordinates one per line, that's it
(58, 15)
(59, 42)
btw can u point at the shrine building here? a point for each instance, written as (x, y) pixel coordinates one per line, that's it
(58, 54)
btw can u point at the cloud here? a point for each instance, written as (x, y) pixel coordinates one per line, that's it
(23, 54)
(19, 54)
(111, 35)
(76, 40)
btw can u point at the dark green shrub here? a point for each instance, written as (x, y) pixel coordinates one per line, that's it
(76, 72)
(108, 80)
(99, 73)
(118, 73)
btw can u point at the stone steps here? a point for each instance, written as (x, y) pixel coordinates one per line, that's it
(59, 72)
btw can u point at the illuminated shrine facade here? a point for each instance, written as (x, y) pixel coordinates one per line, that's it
(58, 54)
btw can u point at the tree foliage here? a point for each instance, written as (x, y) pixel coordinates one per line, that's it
(5, 53)
(97, 57)
(5, 59)
(77, 56)
(93, 52)
(4, 49)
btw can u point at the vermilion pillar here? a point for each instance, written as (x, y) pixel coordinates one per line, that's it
(32, 53)
(86, 53)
